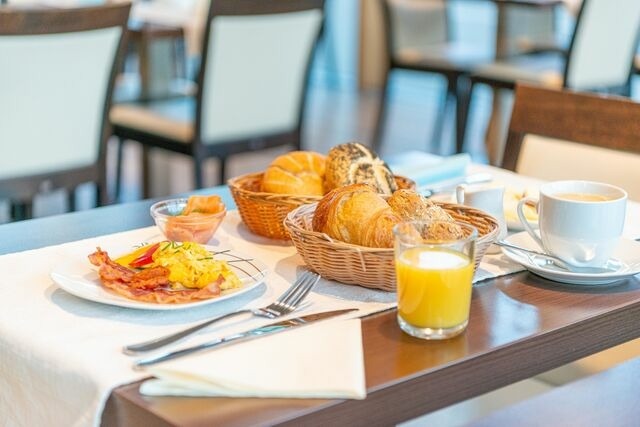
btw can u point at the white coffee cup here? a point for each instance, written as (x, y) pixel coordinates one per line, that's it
(579, 221)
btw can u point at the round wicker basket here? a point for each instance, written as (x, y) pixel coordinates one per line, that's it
(264, 213)
(370, 267)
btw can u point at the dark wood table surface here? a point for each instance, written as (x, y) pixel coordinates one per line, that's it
(520, 325)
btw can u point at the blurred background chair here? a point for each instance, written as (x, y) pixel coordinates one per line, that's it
(56, 78)
(418, 38)
(559, 134)
(422, 37)
(165, 38)
(251, 87)
(600, 57)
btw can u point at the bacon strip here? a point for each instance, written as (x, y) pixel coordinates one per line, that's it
(150, 285)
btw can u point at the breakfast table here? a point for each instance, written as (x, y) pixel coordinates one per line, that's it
(61, 360)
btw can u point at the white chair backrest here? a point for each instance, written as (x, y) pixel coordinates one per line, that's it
(255, 74)
(52, 98)
(416, 24)
(604, 44)
(554, 159)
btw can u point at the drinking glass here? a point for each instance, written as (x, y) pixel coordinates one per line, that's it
(434, 278)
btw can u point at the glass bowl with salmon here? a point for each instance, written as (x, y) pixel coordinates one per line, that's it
(193, 219)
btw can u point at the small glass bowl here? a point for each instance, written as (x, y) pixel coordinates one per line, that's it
(197, 227)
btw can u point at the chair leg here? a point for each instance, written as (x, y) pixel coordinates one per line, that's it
(198, 171)
(222, 171)
(146, 172)
(118, 182)
(463, 105)
(15, 211)
(101, 193)
(71, 199)
(378, 134)
(21, 210)
(297, 144)
(496, 130)
(438, 130)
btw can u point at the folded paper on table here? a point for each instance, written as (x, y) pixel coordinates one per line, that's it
(425, 168)
(324, 360)
(495, 265)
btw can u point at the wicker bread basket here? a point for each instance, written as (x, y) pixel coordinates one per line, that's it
(370, 267)
(264, 213)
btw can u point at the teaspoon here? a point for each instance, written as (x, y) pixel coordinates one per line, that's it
(542, 259)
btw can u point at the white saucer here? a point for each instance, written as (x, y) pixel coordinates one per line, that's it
(627, 252)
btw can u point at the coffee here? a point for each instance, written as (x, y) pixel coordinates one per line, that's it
(584, 197)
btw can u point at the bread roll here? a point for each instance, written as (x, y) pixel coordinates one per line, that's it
(353, 163)
(356, 214)
(298, 172)
(411, 206)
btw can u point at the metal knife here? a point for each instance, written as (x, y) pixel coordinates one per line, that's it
(269, 329)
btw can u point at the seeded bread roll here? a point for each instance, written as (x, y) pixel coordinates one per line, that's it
(298, 172)
(353, 163)
(411, 206)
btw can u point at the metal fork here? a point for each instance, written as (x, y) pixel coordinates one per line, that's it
(285, 304)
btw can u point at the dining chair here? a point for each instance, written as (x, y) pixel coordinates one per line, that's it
(418, 38)
(57, 71)
(562, 134)
(251, 87)
(600, 57)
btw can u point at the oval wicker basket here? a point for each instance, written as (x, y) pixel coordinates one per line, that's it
(370, 267)
(264, 213)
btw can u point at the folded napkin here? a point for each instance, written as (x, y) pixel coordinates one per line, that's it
(323, 360)
(425, 168)
(495, 264)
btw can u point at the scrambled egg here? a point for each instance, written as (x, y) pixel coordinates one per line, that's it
(192, 266)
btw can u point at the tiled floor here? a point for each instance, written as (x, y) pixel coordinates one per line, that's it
(465, 412)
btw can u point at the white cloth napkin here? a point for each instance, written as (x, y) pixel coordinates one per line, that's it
(323, 360)
(425, 168)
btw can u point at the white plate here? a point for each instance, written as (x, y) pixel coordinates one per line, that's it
(512, 195)
(516, 225)
(627, 251)
(80, 278)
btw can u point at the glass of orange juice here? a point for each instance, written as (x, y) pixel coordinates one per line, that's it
(434, 276)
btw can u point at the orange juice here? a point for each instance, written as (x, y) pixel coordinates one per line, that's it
(434, 287)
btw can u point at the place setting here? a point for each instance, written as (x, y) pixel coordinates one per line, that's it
(577, 239)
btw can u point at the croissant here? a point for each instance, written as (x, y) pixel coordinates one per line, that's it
(356, 214)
